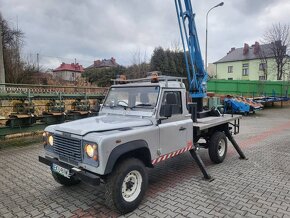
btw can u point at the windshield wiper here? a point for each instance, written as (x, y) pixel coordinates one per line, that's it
(114, 106)
(135, 106)
(120, 105)
(141, 105)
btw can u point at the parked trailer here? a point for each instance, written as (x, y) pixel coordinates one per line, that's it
(241, 105)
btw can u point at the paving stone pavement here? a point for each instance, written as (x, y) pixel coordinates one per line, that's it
(257, 187)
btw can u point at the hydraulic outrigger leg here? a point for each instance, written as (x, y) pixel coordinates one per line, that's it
(200, 164)
(235, 144)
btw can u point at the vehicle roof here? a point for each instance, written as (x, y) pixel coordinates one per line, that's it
(162, 84)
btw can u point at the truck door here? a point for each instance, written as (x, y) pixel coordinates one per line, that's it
(173, 131)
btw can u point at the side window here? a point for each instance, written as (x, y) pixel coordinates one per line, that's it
(172, 98)
(245, 70)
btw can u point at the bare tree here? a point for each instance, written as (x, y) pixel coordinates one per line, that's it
(175, 46)
(278, 36)
(139, 66)
(2, 70)
(263, 62)
(12, 43)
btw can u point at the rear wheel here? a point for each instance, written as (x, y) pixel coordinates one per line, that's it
(126, 186)
(217, 148)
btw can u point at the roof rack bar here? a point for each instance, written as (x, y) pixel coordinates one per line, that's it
(160, 78)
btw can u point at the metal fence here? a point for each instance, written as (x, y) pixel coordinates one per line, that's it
(39, 96)
(20, 91)
(249, 88)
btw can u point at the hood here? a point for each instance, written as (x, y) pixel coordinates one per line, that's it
(101, 123)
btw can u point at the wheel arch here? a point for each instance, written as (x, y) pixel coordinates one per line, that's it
(137, 149)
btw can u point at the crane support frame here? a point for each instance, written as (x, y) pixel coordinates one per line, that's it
(197, 75)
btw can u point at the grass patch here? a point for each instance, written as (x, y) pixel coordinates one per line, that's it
(20, 142)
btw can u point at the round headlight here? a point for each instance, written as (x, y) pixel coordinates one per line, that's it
(90, 150)
(50, 140)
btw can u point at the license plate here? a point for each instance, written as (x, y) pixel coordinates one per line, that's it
(60, 170)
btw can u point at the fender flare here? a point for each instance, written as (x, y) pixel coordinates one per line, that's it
(122, 149)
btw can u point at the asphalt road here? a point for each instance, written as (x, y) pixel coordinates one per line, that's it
(257, 187)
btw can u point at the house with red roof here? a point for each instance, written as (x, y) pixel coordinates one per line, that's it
(68, 72)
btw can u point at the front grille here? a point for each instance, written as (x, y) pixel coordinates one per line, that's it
(68, 149)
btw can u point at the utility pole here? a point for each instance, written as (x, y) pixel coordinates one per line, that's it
(37, 59)
(218, 5)
(17, 50)
(75, 73)
(2, 70)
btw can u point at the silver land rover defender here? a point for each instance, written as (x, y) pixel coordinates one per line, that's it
(140, 124)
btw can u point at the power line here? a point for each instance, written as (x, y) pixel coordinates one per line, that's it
(57, 57)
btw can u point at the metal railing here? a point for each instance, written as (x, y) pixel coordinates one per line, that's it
(30, 91)
(20, 88)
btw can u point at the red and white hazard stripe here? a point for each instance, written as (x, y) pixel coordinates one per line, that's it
(173, 154)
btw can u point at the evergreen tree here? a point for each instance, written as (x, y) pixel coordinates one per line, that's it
(102, 76)
(158, 59)
(168, 62)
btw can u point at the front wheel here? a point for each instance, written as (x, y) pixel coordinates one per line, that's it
(217, 148)
(126, 186)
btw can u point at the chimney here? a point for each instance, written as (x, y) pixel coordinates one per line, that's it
(97, 63)
(256, 48)
(232, 49)
(246, 49)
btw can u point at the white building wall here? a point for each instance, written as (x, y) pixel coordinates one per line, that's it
(67, 75)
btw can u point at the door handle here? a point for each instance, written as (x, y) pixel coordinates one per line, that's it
(182, 128)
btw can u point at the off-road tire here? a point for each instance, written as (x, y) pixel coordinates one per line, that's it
(65, 181)
(114, 197)
(217, 147)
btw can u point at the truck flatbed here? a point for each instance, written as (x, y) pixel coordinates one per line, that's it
(208, 122)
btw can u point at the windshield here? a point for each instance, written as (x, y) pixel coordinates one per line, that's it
(132, 97)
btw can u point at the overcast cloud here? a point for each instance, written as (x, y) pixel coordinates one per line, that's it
(61, 31)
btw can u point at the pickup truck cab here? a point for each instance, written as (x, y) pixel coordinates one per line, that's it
(140, 124)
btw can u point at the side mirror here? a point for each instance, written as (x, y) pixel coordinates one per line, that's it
(167, 110)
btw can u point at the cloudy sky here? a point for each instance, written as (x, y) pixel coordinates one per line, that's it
(61, 31)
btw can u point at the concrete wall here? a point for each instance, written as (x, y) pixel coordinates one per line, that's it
(67, 75)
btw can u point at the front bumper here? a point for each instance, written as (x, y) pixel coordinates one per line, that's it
(81, 174)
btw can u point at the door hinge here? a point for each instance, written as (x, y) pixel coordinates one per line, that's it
(159, 151)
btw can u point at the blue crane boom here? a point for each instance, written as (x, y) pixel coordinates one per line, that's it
(196, 74)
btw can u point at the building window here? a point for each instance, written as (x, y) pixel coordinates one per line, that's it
(263, 66)
(230, 69)
(245, 70)
(262, 78)
(231, 78)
